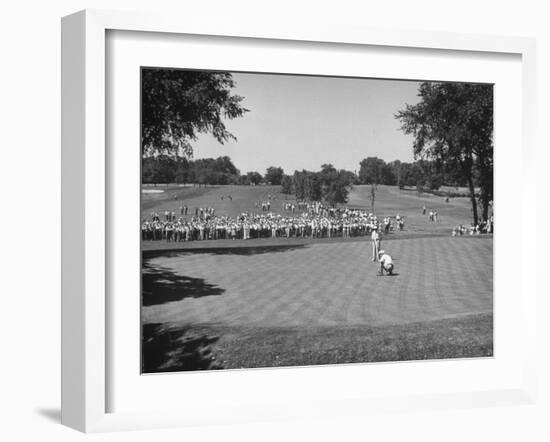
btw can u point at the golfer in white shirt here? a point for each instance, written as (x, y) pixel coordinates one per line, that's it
(375, 238)
(386, 263)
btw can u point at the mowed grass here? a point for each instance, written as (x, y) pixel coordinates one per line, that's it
(287, 302)
(203, 348)
(317, 303)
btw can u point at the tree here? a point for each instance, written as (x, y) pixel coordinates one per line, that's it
(254, 178)
(335, 184)
(373, 189)
(312, 186)
(298, 184)
(274, 175)
(178, 104)
(307, 185)
(429, 174)
(453, 124)
(370, 170)
(182, 171)
(396, 167)
(225, 165)
(387, 175)
(286, 184)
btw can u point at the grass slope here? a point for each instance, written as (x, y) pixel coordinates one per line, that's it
(210, 347)
(389, 201)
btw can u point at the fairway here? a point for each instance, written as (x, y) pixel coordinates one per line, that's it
(390, 201)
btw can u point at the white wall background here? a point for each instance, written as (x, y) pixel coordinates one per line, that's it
(30, 215)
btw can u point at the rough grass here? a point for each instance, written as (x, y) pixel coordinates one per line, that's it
(212, 347)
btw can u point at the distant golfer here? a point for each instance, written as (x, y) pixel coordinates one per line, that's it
(386, 263)
(375, 239)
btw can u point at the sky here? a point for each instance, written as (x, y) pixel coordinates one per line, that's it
(301, 122)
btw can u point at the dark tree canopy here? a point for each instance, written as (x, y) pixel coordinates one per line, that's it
(274, 175)
(335, 184)
(286, 185)
(453, 125)
(374, 170)
(177, 105)
(329, 185)
(370, 170)
(167, 169)
(254, 177)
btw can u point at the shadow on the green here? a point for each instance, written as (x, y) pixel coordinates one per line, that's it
(243, 250)
(393, 274)
(161, 285)
(166, 349)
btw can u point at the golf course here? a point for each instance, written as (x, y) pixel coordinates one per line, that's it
(227, 304)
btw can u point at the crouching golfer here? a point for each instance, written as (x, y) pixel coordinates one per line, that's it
(386, 263)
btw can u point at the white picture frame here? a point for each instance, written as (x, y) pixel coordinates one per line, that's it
(85, 312)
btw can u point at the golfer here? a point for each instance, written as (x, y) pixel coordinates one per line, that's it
(375, 238)
(386, 263)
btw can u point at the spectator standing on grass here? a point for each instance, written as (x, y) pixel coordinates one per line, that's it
(435, 216)
(424, 209)
(387, 224)
(401, 224)
(169, 230)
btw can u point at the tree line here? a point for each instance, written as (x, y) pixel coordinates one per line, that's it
(164, 169)
(328, 184)
(422, 174)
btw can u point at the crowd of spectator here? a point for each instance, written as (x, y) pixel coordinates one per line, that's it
(484, 226)
(315, 221)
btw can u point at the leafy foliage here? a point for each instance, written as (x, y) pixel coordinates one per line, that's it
(166, 169)
(453, 125)
(254, 178)
(329, 185)
(178, 104)
(274, 175)
(287, 185)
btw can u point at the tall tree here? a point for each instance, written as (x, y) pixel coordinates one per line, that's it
(286, 185)
(178, 104)
(274, 175)
(373, 189)
(370, 171)
(335, 184)
(453, 124)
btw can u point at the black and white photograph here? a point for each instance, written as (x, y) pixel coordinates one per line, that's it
(296, 220)
(252, 221)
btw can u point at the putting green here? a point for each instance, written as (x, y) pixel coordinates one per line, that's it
(325, 284)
